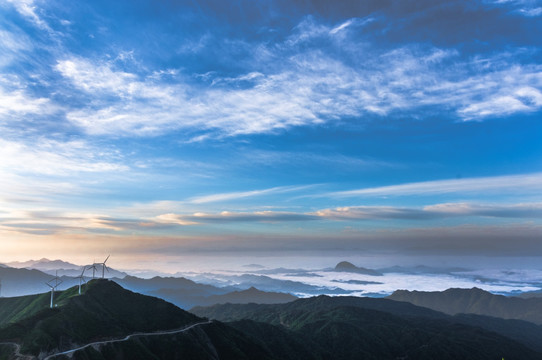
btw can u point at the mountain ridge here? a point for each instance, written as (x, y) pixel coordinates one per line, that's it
(474, 301)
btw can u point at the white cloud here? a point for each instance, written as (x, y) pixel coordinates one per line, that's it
(340, 27)
(28, 9)
(18, 102)
(527, 182)
(526, 210)
(306, 87)
(91, 77)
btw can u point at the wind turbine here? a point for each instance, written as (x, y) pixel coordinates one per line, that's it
(81, 278)
(57, 281)
(104, 267)
(94, 269)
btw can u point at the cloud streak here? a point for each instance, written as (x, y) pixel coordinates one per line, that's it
(245, 194)
(360, 213)
(523, 183)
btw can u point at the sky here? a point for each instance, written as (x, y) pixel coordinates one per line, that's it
(303, 132)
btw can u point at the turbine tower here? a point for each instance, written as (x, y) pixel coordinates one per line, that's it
(52, 292)
(57, 281)
(0, 287)
(82, 278)
(94, 269)
(104, 267)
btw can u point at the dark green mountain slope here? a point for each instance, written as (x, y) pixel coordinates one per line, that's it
(106, 313)
(14, 309)
(474, 301)
(521, 331)
(318, 328)
(351, 328)
(104, 310)
(283, 343)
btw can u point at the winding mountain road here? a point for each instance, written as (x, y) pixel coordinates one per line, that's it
(17, 352)
(100, 343)
(20, 356)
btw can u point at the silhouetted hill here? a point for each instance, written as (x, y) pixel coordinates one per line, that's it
(177, 283)
(232, 312)
(185, 299)
(180, 291)
(43, 264)
(251, 295)
(186, 293)
(345, 266)
(474, 301)
(530, 294)
(354, 328)
(18, 282)
(61, 268)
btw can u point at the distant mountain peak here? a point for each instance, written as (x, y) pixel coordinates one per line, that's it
(345, 266)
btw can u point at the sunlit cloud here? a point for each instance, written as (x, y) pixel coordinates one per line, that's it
(528, 210)
(360, 213)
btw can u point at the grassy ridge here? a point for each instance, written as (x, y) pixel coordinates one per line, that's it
(17, 308)
(105, 310)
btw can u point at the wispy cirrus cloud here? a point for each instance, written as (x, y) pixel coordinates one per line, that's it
(50, 157)
(29, 10)
(308, 87)
(530, 8)
(46, 170)
(524, 183)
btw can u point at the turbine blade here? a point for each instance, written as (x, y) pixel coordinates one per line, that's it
(107, 258)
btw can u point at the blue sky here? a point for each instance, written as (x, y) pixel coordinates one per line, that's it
(178, 128)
